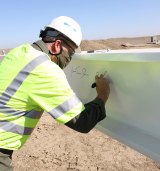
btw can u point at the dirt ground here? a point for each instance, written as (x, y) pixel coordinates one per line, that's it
(55, 147)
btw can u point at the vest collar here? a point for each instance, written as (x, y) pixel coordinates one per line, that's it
(40, 45)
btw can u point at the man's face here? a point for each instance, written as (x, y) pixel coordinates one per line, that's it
(62, 52)
(67, 50)
(69, 47)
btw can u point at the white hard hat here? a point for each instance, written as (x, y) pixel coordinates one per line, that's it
(68, 27)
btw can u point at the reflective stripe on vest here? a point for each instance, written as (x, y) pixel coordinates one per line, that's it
(64, 107)
(9, 92)
(17, 129)
(10, 127)
(12, 88)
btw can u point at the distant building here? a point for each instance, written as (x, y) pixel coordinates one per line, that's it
(155, 39)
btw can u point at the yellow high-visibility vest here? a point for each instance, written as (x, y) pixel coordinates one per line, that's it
(31, 83)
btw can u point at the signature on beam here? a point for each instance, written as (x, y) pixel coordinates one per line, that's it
(78, 70)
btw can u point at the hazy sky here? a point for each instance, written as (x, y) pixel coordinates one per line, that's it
(21, 20)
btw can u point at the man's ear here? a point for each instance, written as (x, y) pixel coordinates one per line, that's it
(56, 47)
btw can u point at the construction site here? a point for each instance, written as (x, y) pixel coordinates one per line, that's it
(55, 147)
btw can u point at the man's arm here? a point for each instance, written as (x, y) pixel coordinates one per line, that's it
(94, 110)
(87, 119)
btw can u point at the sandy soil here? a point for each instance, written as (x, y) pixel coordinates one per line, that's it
(54, 147)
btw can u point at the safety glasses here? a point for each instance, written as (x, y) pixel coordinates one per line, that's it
(69, 47)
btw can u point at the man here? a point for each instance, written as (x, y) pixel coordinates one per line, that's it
(32, 81)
